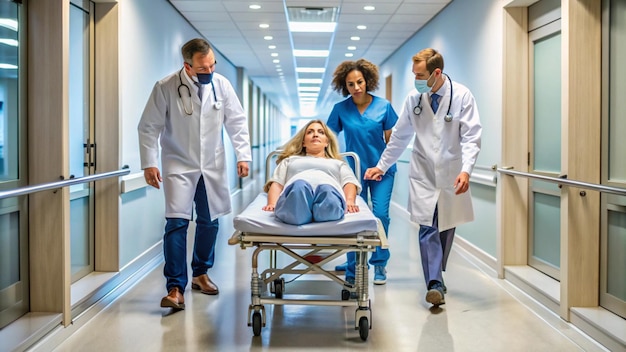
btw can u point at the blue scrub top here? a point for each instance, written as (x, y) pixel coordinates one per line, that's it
(364, 134)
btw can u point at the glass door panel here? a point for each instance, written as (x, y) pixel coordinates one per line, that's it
(544, 217)
(80, 141)
(14, 283)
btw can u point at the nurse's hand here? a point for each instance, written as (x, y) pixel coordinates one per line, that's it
(374, 173)
(461, 184)
(269, 207)
(152, 175)
(242, 168)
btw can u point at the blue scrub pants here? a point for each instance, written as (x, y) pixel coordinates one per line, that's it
(175, 243)
(435, 248)
(380, 192)
(299, 204)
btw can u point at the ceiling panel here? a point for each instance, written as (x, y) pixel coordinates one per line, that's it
(233, 29)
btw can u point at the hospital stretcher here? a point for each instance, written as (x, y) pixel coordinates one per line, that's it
(308, 249)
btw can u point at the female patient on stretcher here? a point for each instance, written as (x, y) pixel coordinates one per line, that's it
(312, 182)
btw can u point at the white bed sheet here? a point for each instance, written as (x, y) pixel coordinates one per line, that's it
(255, 220)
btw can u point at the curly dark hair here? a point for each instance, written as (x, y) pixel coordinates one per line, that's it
(367, 69)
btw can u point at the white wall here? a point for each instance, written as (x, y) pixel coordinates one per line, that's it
(149, 51)
(469, 36)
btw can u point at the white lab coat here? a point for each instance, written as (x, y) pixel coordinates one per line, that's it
(441, 150)
(192, 145)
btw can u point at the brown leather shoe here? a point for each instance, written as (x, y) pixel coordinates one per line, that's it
(204, 284)
(174, 299)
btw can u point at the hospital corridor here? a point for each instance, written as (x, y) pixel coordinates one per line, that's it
(481, 312)
(297, 175)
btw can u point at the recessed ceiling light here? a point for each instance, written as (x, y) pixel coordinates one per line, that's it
(369, 8)
(275, 61)
(279, 70)
(268, 37)
(274, 54)
(361, 27)
(264, 25)
(272, 47)
(349, 54)
(310, 53)
(352, 47)
(355, 38)
(8, 66)
(254, 7)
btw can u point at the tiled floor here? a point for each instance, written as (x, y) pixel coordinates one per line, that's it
(482, 313)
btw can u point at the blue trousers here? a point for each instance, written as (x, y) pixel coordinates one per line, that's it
(175, 243)
(299, 204)
(380, 193)
(435, 248)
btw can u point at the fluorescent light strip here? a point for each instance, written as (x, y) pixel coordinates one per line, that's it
(10, 42)
(309, 80)
(310, 69)
(8, 23)
(310, 53)
(312, 27)
(309, 89)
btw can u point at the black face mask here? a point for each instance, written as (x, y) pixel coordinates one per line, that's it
(205, 78)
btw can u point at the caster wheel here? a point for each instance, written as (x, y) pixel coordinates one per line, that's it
(279, 288)
(257, 323)
(345, 295)
(364, 328)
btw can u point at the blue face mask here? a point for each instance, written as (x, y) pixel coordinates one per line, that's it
(422, 85)
(205, 78)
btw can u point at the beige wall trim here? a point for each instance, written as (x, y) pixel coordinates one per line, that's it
(581, 111)
(107, 135)
(49, 242)
(512, 198)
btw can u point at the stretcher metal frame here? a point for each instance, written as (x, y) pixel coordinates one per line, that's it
(302, 249)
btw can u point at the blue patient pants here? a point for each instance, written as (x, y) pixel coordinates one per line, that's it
(299, 204)
(175, 243)
(435, 248)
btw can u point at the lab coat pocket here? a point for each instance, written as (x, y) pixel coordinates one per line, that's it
(219, 157)
(454, 168)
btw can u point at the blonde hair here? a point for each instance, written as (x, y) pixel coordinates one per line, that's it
(294, 145)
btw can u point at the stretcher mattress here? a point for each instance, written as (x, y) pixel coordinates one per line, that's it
(255, 220)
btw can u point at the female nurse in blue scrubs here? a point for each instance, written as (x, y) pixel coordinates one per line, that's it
(366, 121)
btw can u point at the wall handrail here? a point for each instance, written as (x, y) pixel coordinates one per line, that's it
(63, 183)
(564, 181)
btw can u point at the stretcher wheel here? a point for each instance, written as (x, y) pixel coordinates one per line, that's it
(279, 285)
(345, 295)
(364, 328)
(257, 323)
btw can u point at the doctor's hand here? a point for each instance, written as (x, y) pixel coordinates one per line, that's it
(242, 168)
(152, 176)
(461, 184)
(374, 173)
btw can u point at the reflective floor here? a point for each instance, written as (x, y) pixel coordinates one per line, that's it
(482, 313)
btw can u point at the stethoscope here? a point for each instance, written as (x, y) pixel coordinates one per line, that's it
(418, 109)
(217, 105)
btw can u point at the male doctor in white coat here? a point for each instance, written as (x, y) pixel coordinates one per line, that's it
(444, 119)
(187, 112)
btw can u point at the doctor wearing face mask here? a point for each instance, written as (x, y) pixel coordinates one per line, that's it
(443, 117)
(186, 113)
